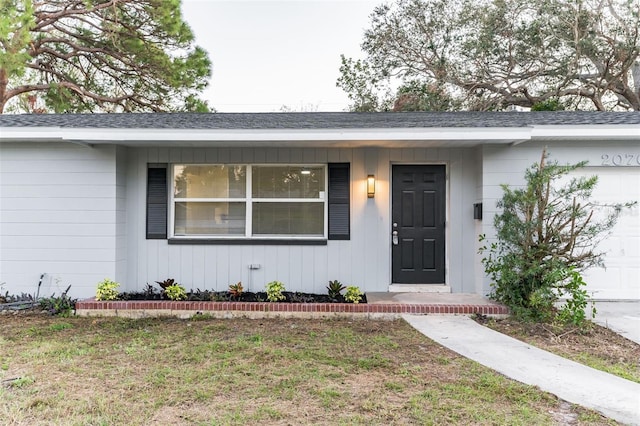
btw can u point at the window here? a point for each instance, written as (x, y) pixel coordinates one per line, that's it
(249, 201)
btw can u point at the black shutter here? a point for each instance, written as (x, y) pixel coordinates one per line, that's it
(339, 199)
(157, 201)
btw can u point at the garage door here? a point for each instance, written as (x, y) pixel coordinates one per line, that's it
(621, 277)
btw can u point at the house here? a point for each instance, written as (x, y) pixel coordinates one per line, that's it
(384, 201)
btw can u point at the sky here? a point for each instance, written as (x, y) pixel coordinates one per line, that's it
(269, 54)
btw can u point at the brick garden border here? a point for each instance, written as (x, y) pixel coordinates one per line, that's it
(151, 308)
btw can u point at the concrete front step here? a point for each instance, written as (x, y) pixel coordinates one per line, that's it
(430, 298)
(419, 288)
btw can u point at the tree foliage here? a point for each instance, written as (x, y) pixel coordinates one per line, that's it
(547, 233)
(99, 55)
(493, 54)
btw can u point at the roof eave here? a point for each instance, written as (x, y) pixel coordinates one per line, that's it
(292, 137)
(592, 132)
(414, 137)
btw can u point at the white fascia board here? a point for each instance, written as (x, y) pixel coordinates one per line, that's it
(506, 135)
(198, 135)
(31, 133)
(117, 136)
(599, 132)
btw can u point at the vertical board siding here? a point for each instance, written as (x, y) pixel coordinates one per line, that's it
(78, 214)
(506, 165)
(121, 214)
(363, 260)
(62, 212)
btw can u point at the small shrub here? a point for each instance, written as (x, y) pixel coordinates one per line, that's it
(166, 283)
(236, 290)
(353, 294)
(574, 309)
(298, 297)
(274, 291)
(7, 298)
(175, 292)
(334, 289)
(216, 297)
(172, 290)
(107, 290)
(61, 305)
(198, 295)
(150, 291)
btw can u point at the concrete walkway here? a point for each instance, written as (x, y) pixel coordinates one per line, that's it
(610, 395)
(621, 317)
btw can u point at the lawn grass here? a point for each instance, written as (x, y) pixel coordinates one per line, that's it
(112, 371)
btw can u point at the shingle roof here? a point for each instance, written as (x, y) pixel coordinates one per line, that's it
(319, 120)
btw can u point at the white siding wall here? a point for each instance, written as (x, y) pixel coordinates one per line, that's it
(364, 260)
(478, 224)
(121, 214)
(57, 216)
(503, 164)
(78, 214)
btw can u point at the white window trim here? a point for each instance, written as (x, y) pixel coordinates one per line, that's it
(249, 200)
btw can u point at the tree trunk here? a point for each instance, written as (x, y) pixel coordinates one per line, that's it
(635, 73)
(4, 81)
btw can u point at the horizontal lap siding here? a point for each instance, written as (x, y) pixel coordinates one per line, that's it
(57, 216)
(364, 260)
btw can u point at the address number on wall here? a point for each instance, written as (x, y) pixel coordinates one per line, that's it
(620, 160)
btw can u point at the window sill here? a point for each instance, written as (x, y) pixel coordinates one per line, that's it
(248, 242)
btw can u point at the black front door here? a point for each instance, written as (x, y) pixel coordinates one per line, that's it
(418, 222)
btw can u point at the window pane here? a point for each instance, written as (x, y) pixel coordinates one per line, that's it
(288, 219)
(210, 218)
(287, 181)
(197, 181)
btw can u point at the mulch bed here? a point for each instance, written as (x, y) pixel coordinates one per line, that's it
(225, 296)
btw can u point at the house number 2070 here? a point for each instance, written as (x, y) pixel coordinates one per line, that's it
(620, 159)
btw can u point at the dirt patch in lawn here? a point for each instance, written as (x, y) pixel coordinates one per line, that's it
(593, 345)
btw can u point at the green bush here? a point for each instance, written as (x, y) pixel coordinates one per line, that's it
(353, 294)
(274, 291)
(175, 292)
(546, 235)
(574, 310)
(107, 290)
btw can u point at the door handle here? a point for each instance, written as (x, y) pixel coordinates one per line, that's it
(394, 238)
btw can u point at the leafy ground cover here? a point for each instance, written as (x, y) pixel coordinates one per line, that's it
(592, 345)
(205, 371)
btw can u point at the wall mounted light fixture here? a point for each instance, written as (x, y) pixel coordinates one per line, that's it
(477, 211)
(371, 186)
